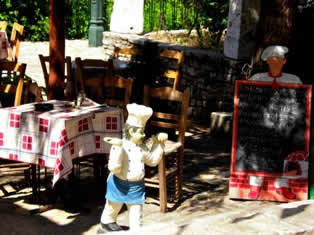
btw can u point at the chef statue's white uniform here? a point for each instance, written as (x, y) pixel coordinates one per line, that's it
(275, 58)
(125, 183)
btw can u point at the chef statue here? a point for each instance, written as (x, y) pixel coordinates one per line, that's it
(275, 58)
(125, 183)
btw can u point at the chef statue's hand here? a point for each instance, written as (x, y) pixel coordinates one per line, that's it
(162, 137)
(113, 141)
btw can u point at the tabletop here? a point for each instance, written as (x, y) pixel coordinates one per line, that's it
(54, 138)
(4, 45)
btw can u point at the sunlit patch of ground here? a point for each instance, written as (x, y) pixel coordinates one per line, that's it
(182, 37)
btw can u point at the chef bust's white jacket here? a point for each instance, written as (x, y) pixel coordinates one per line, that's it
(127, 161)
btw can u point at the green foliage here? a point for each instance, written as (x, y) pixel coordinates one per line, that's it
(209, 14)
(165, 15)
(178, 14)
(33, 14)
(77, 17)
(108, 5)
(214, 16)
(158, 15)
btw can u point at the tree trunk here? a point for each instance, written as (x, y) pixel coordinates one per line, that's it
(276, 24)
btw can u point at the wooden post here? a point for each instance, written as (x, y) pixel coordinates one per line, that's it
(56, 50)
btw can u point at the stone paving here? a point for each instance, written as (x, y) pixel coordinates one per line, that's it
(205, 208)
(29, 52)
(205, 194)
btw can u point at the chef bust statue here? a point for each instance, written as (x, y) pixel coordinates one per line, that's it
(125, 183)
(274, 56)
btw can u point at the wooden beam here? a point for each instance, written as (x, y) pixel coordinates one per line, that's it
(56, 49)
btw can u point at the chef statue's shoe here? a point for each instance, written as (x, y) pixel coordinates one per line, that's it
(111, 227)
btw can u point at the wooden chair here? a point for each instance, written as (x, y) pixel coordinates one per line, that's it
(3, 25)
(16, 91)
(95, 78)
(175, 71)
(172, 60)
(25, 91)
(11, 167)
(15, 41)
(90, 75)
(163, 100)
(68, 79)
(31, 92)
(118, 92)
(118, 52)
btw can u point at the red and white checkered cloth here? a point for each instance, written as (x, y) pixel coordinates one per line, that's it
(53, 138)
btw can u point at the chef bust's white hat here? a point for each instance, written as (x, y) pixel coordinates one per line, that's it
(279, 51)
(138, 114)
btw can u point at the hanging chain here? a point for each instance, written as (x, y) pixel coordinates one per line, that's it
(246, 70)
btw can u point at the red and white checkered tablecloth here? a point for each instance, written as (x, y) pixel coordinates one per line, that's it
(53, 138)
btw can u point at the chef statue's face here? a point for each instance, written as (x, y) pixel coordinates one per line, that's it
(275, 64)
(136, 135)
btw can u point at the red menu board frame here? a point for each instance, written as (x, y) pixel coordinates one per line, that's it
(260, 184)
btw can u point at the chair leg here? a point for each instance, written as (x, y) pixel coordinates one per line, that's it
(179, 174)
(162, 185)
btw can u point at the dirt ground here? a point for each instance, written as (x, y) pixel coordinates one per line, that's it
(206, 173)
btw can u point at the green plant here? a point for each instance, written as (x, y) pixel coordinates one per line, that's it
(158, 14)
(209, 14)
(77, 17)
(33, 14)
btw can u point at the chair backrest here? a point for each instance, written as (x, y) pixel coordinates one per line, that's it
(123, 57)
(3, 25)
(175, 72)
(68, 80)
(15, 40)
(16, 90)
(170, 108)
(118, 92)
(89, 76)
(173, 58)
(31, 92)
(118, 52)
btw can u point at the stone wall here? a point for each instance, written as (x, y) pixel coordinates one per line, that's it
(207, 74)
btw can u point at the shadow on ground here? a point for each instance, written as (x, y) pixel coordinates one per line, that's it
(75, 214)
(206, 175)
(206, 172)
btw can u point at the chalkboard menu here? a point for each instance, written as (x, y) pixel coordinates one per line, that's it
(270, 141)
(268, 125)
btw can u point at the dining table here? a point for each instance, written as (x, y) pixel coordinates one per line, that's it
(53, 133)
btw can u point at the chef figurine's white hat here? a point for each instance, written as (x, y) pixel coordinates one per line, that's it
(278, 51)
(138, 114)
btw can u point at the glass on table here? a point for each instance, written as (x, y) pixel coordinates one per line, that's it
(80, 99)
